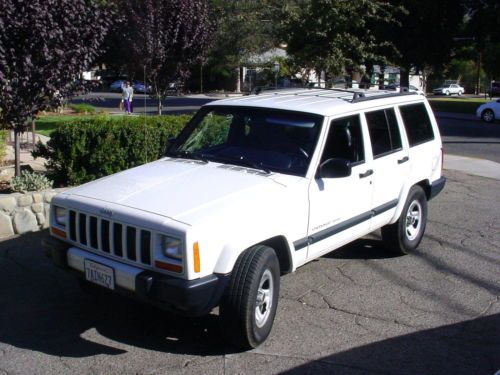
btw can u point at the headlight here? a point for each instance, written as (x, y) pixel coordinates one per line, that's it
(60, 216)
(171, 247)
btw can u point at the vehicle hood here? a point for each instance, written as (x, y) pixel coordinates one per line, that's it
(181, 189)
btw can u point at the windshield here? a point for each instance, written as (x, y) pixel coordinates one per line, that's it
(260, 138)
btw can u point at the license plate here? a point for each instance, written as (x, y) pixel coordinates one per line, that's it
(99, 274)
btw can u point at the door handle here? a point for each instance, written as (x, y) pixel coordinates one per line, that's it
(404, 160)
(369, 172)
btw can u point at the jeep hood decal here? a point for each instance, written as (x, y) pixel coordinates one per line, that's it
(177, 189)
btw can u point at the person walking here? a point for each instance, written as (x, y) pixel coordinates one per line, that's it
(127, 95)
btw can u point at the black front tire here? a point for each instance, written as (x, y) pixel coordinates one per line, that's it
(246, 316)
(405, 235)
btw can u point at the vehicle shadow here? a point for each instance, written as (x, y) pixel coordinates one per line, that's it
(370, 247)
(44, 310)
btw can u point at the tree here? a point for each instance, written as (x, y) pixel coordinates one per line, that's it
(245, 28)
(44, 46)
(167, 36)
(484, 28)
(425, 38)
(332, 35)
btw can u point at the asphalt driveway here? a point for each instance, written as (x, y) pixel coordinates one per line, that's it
(358, 310)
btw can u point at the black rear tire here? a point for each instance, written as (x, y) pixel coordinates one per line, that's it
(405, 235)
(246, 316)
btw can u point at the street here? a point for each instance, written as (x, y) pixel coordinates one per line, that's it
(357, 310)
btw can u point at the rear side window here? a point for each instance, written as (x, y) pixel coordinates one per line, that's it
(384, 132)
(417, 123)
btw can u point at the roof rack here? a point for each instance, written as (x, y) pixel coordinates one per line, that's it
(357, 96)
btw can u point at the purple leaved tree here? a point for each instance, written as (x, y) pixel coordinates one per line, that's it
(44, 47)
(168, 37)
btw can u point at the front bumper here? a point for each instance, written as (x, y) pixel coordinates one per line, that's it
(186, 297)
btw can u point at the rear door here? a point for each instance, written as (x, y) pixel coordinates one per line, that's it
(391, 165)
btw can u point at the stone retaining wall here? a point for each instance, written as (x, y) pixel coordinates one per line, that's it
(21, 213)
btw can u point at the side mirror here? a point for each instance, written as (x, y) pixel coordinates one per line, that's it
(334, 168)
(170, 143)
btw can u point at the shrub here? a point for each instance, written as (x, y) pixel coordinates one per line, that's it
(82, 108)
(30, 181)
(88, 149)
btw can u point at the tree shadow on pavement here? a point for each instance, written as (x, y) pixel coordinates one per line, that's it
(44, 310)
(469, 347)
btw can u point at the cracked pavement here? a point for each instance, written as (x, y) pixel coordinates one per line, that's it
(358, 310)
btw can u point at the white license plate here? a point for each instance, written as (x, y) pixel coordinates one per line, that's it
(99, 274)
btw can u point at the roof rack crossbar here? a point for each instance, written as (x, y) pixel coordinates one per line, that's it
(358, 98)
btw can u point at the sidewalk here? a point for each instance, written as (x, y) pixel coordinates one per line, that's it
(472, 166)
(38, 164)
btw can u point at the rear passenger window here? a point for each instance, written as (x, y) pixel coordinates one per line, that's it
(384, 132)
(417, 123)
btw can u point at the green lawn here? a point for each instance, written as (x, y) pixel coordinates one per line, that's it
(456, 105)
(46, 124)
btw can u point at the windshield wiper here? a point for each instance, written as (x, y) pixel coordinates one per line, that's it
(188, 155)
(242, 160)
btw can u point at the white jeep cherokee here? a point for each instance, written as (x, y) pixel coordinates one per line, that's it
(252, 188)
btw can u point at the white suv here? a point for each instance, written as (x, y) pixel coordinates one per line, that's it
(253, 188)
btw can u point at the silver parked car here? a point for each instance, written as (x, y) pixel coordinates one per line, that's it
(449, 89)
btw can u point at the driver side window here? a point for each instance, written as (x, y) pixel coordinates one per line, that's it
(345, 141)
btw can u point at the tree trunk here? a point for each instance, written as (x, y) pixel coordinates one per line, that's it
(381, 78)
(404, 77)
(17, 151)
(159, 106)
(238, 81)
(201, 77)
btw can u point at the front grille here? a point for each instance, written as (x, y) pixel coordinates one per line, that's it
(110, 237)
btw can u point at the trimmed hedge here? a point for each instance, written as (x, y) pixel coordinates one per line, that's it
(87, 149)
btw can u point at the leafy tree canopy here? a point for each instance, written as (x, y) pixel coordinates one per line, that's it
(167, 37)
(330, 35)
(44, 46)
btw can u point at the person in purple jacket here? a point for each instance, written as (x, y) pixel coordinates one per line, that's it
(127, 95)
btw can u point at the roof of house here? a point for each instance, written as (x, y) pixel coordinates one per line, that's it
(326, 102)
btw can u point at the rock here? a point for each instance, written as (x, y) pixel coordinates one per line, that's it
(47, 215)
(24, 200)
(25, 221)
(37, 198)
(37, 207)
(48, 196)
(41, 219)
(8, 203)
(6, 226)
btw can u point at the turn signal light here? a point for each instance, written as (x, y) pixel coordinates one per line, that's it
(58, 232)
(196, 257)
(168, 266)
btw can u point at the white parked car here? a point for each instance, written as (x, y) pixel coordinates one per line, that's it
(451, 89)
(489, 112)
(251, 189)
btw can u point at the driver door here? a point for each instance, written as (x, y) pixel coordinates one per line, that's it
(340, 206)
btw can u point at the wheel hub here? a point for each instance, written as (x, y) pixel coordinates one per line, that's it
(413, 220)
(264, 299)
